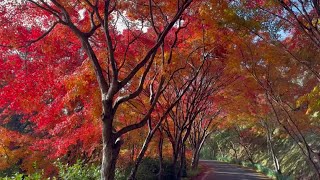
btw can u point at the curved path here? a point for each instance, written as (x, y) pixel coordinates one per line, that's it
(215, 170)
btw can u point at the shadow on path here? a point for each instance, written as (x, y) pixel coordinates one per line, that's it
(215, 170)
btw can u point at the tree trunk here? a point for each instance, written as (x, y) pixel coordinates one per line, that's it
(182, 171)
(295, 134)
(213, 153)
(160, 148)
(248, 153)
(143, 150)
(132, 153)
(196, 155)
(110, 153)
(275, 159)
(195, 160)
(175, 161)
(184, 163)
(234, 149)
(273, 154)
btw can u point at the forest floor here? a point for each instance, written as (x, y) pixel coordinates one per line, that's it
(215, 170)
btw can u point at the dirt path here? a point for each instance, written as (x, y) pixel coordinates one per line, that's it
(214, 170)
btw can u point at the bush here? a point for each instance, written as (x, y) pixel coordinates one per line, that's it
(78, 171)
(20, 176)
(149, 169)
(15, 173)
(194, 172)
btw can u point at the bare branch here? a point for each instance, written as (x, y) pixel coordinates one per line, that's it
(161, 37)
(45, 34)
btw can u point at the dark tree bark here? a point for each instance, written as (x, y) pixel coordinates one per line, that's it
(160, 152)
(153, 130)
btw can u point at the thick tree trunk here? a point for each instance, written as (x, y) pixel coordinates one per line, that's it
(184, 163)
(175, 160)
(110, 153)
(182, 170)
(109, 160)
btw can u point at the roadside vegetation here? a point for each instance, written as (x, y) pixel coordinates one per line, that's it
(225, 146)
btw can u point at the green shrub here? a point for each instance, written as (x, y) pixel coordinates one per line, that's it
(9, 172)
(149, 169)
(78, 171)
(15, 173)
(194, 172)
(20, 176)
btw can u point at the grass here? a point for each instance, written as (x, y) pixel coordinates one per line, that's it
(193, 173)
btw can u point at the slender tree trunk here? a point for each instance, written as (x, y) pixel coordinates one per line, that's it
(248, 153)
(151, 133)
(245, 147)
(195, 160)
(213, 152)
(273, 154)
(275, 159)
(220, 150)
(160, 146)
(194, 154)
(132, 153)
(276, 162)
(234, 150)
(143, 150)
(195, 157)
(297, 137)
